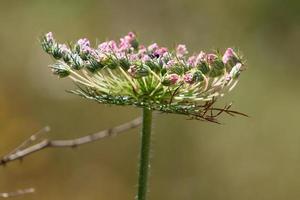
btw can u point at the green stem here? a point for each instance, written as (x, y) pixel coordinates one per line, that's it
(144, 154)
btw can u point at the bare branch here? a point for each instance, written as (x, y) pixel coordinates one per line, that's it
(23, 151)
(17, 193)
(30, 140)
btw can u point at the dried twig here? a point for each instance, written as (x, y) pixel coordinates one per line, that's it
(17, 193)
(24, 149)
(30, 140)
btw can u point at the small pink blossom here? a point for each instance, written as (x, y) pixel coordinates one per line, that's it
(110, 46)
(125, 42)
(229, 53)
(210, 58)
(123, 46)
(192, 61)
(49, 37)
(142, 50)
(188, 78)
(161, 51)
(83, 42)
(153, 47)
(173, 78)
(63, 48)
(102, 46)
(169, 64)
(165, 55)
(170, 79)
(181, 50)
(196, 59)
(84, 45)
(145, 58)
(200, 57)
(130, 36)
(133, 57)
(120, 54)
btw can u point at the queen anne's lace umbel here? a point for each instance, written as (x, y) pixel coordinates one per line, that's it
(128, 73)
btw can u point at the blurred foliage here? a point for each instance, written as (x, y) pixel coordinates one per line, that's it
(255, 158)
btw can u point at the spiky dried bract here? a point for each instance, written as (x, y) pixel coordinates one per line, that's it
(127, 73)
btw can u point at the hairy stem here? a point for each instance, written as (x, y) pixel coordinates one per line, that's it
(144, 154)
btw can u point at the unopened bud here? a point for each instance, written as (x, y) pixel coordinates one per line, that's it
(60, 69)
(170, 79)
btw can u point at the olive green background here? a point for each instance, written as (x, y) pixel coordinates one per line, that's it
(256, 158)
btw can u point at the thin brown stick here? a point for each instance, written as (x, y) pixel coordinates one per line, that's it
(17, 193)
(30, 140)
(23, 152)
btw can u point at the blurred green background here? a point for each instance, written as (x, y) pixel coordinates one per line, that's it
(245, 158)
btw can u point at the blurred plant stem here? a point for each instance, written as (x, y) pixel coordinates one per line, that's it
(144, 164)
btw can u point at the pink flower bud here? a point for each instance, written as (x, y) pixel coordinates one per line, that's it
(181, 50)
(173, 78)
(169, 64)
(83, 42)
(142, 50)
(192, 61)
(84, 45)
(229, 53)
(133, 57)
(188, 78)
(108, 47)
(64, 52)
(170, 79)
(112, 45)
(165, 55)
(200, 57)
(130, 35)
(125, 42)
(145, 58)
(161, 51)
(63, 48)
(210, 58)
(153, 47)
(49, 37)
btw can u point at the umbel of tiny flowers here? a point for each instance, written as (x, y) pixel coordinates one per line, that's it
(151, 77)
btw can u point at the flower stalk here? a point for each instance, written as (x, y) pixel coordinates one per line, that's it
(144, 165)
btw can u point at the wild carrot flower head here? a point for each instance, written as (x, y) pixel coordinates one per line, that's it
(128, 73)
